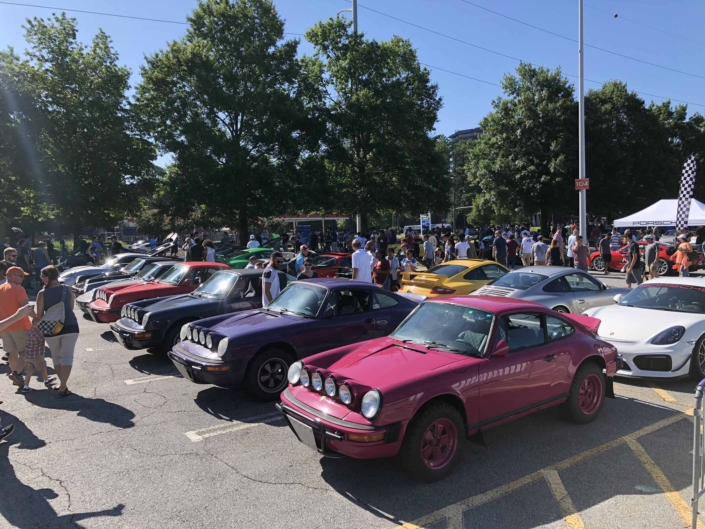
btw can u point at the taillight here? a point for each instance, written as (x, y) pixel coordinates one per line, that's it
(441, 290)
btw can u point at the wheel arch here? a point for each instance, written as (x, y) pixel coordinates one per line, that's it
(593, 359)
(286, 346)
(555, 309)
(453, 400)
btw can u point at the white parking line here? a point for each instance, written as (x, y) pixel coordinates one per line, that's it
(233, 426)
(151, 378)
(91, 349)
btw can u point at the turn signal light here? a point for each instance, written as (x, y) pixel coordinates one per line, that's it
(441, 290)
(143, 336)
(217, 368)
(366, 438)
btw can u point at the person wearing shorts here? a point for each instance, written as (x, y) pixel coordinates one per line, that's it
(14, 337)
(34, 359)
(63, 344)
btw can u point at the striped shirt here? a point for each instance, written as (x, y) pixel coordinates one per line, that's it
(615, 241)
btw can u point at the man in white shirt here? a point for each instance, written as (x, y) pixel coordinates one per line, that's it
(526, 244)
(370, 250)
(270, 279)
(253, 243)
(571, 242)
(394, 266)
(461, 250)
(361, 263)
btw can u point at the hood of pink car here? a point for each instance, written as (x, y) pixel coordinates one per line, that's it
(384, 361)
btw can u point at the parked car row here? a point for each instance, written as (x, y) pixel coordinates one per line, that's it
(366, 373)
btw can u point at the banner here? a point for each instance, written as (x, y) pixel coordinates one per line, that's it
(686, 193)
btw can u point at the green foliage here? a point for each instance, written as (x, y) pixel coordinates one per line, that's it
(223, 100)
(379, 108)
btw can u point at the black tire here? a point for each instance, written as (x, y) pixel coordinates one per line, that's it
(697, 367)
(598, 264)
(561, 309)
(410, 454)
(274, 364)
(585, 403)
(173, 336)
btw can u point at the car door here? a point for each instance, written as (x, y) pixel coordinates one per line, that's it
(387, 316)
(523, 377)
(351, 322)
(558, 344)
(560, 295)
(587, 291)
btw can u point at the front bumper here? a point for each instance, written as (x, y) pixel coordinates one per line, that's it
(199, 371)
(102, 314)
(643, 360)
(331, 436)
(136, 338)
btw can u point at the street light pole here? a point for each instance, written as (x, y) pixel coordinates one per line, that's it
(582, 205)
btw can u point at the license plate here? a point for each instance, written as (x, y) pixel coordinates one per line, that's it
(185, 371)
(304, 433)
(92, 314)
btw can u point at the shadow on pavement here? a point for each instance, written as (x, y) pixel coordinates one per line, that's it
(108, 336)
(231, 404)
(152, 364)
(513, 451)
(95, 410)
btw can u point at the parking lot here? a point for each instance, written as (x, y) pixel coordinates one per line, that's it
(138, 446)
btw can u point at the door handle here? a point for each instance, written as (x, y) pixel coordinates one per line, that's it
(549, 358)
(370, 320)
(581, 301)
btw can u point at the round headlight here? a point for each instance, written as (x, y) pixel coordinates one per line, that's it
(317, 381)
(209, 341)
(330, 386)
(294, 374)
(305, 377)
(123, 312)
(345, 394)
(202, 338)
(110, 300)
(145, 319)
(223, 346)
(184, 332)
(371, 403)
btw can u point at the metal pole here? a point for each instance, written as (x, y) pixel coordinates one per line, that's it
(582, 205)
(697, 454)
(354, 11)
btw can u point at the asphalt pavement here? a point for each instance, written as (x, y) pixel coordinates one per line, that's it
(137, 446)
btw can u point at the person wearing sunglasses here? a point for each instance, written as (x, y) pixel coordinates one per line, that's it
(10, 257)
(270, 278)
(307, 272)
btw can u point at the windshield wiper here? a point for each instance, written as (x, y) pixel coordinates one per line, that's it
(431, 344)
(410, 348)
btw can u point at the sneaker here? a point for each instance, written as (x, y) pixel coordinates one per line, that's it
(5, 358)
(6, 431)
(16, 377)
(25, 389)
(49, 383)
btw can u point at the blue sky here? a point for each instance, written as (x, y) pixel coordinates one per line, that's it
(676, 42)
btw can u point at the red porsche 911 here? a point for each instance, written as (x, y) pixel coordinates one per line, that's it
(453, 368)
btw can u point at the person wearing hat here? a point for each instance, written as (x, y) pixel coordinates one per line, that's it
(651, 256)
(683, 255)
(253, 262)
(253, 243)
(14, 337)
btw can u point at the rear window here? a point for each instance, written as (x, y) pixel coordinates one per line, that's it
(519, 280)
(447, 270)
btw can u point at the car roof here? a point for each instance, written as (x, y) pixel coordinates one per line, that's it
(493, 304)
(203, 264)
(470, 263)
(690, 281)
(336, 283)
(549, 271)
(334, 254)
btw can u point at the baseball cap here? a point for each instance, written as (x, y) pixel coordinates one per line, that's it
(254, 257)
(16, 271)
(304, 247)
(648, 236)
(682, 236)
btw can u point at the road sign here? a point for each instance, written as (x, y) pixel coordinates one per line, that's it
(425, 223)
(582, 183)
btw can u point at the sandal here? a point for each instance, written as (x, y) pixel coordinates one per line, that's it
(65, 393)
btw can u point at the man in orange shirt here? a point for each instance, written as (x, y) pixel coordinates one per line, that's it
(682, 255)
(14, 337)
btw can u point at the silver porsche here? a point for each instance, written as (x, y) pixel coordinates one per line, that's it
(559, 288)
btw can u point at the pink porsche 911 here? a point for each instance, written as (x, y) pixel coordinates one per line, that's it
(453, 368)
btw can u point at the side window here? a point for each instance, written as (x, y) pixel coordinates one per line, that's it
(582, 283)
(493, 272)
(557, 286)
(557, 328)
(332, 304)
(523, 331)
(478, 274)
(346, 262)
(352, 302)
(382, 301)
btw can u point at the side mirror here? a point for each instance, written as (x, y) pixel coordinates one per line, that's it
(328, 314)
(196, 281)
(501, 349)
(603, 287)
(618, 298)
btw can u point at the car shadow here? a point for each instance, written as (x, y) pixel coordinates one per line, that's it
(93, 409)
(152, 364)
(23, 506)
(108, 337)
(233, 405)
(519, 449)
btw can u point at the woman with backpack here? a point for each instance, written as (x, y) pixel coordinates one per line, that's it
(61, 336)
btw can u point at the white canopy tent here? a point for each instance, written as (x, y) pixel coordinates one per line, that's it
(663, 213)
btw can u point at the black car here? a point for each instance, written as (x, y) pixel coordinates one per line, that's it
(151, 272)
(157, 322)
(135, 268)
(256, 347)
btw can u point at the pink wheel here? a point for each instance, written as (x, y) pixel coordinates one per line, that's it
(590, 395)
(439, 443)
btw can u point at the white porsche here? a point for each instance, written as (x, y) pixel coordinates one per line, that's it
(658, 328)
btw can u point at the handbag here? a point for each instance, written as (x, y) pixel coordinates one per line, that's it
(52, 323)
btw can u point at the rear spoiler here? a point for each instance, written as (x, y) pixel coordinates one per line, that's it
(590, 323)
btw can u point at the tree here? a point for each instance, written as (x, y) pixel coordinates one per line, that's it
(224, 101)
(88, 156)
(525, 161)
(379, 108)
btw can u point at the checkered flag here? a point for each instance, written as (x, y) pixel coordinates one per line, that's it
(686, 193)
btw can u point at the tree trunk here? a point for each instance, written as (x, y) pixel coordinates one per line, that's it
(544, 223)
(364, 219)
(76, 232)
(242, 225)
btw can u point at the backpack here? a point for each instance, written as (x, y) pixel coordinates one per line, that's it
(671, 250)
(52, 323)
